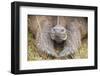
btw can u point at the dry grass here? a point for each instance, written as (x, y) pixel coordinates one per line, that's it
(33, 54)
(83, 51)
(32, 49)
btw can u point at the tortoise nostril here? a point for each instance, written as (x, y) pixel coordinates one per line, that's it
(54, 29)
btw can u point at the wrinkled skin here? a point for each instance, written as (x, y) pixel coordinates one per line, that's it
(58, 33)
(69, 33)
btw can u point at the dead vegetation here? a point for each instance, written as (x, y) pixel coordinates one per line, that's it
(34, 55)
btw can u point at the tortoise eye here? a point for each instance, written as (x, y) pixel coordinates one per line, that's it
(62, 30)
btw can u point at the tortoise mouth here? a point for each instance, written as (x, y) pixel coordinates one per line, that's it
(58, 40)
(58, 46)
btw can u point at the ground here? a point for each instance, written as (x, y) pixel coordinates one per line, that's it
(33, 54)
